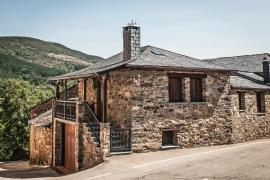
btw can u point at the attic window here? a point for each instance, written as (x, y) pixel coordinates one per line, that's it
(157, 52)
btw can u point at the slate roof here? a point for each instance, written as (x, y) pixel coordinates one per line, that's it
(150, 57)
(42, 120)
(153, 56)
(249, 69)
(251, 76)
(247, 63)
(243, 83)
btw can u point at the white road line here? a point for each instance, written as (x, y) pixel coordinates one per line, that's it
(198, 154)
(99, 176)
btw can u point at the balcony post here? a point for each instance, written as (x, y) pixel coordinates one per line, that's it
(77, 131)
(65, 90)
(53, 133)
(78, 111)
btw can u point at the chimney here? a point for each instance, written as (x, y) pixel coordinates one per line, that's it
(266, 75)
(131, 41)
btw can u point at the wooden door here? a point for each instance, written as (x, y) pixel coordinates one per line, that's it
(69, 151)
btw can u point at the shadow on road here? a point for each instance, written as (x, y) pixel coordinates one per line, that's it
(22, 170)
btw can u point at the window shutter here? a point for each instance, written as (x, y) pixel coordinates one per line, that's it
(199, 90)
(241, 97)
(196, 89)
(260, 102)
(175, 89)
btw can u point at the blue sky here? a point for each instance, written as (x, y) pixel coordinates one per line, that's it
(197, 28)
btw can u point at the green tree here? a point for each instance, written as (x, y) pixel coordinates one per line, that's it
(14, 114)
(16, 98)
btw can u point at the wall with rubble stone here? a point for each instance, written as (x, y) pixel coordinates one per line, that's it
(40, 145)
(119, 98)
(139, 99)
(249, 124)
(89, 154)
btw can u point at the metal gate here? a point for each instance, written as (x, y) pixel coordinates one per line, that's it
(120, 139)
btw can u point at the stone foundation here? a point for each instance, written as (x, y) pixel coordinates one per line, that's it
(89, 154)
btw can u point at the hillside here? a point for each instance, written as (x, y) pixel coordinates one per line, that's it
(46, 54)
(35, 60)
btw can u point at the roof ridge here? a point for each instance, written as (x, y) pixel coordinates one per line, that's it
(234, 56)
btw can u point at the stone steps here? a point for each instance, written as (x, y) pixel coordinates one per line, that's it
(94, 127)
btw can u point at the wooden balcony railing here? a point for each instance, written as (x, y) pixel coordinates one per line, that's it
(65, 110)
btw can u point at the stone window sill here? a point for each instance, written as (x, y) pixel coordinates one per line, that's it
(163, 147)
(242, 111)
(203, 102)
(187, 103)
(259, 114)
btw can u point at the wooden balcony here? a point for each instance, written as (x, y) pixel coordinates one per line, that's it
(65, 110)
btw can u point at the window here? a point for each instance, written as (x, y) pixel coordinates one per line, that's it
(168, 137)
(175, 89)
(260, 102)
(241, 100)
(196, 90)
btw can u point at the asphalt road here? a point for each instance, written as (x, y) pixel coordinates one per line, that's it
(239, 161)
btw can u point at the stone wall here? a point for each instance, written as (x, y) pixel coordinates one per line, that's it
(105, 138)
(90, 90)
(91, 93)
(249, 124)
(119, 98)
(139, 99)
(40, 145)
(89, 154)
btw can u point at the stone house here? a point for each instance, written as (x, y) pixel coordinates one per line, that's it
(147, 99)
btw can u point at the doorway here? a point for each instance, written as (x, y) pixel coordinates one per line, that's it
(69, 147)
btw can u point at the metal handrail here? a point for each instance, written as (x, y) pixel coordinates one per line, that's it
(92, 113)
(95, 121)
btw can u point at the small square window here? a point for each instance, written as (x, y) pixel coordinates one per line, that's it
(168, 137)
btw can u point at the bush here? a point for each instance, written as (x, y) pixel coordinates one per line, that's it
(16, 97)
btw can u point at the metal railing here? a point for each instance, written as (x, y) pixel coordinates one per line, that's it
(90, 118)
(120, 139)
(65, 110)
